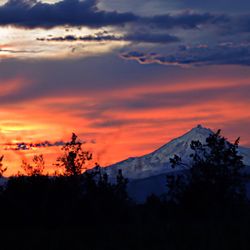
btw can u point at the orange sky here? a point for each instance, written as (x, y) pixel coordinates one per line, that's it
(119, 132)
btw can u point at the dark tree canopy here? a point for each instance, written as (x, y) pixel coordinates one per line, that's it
(214, 175)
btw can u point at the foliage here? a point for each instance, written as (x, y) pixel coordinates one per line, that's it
(2, 168)
(36, 169)
(74, 157)
(214, 176)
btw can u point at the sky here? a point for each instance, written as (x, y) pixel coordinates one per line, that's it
(126, 76)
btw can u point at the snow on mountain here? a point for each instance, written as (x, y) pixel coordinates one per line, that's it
(157, 162)
(245, 152)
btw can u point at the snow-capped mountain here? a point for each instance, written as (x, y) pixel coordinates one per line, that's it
(157, 162)
(147, 174)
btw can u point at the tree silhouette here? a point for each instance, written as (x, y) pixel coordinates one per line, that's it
(2, 168)
(34, 170)
(214, 175)
(121, 186)
(74, 157)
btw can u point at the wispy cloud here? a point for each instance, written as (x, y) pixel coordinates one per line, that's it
(105, 37)
(203, 54)
(30, 146)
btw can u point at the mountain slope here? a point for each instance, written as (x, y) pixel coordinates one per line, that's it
(157, 162)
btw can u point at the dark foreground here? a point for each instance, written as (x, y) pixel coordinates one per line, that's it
(187, 234)
(44, 213)
(204, 208)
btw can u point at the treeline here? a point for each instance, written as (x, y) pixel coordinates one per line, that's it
(204, 207)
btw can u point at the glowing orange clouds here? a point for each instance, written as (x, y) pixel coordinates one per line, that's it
(117, 125)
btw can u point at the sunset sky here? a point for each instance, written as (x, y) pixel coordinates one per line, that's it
(126, 76)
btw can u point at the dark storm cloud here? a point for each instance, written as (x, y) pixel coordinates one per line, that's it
(103, 37)
(222, 54)
(32, 14)
(214, 5)
(146, 6)
(243, 23)
(186, 20)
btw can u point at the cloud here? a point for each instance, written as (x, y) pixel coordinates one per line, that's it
(121, 98)
(29, 146)
(93, 76)
(127, 26)
(236, 128)
(64, 20)
(33, 14)
(23, 146)
(222, 54)
(105, 37)
(243, 23)
(20, 51)
(117, 112)
(147, 7)
(230, 6)
(187, 97)
(99, 37)
(117, 122)
(90, 75)
(184, 98)
(186, 20)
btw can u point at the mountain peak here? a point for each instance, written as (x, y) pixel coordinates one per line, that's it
(199, 129)
(141, 170)
(157, 162)
(199, 126)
